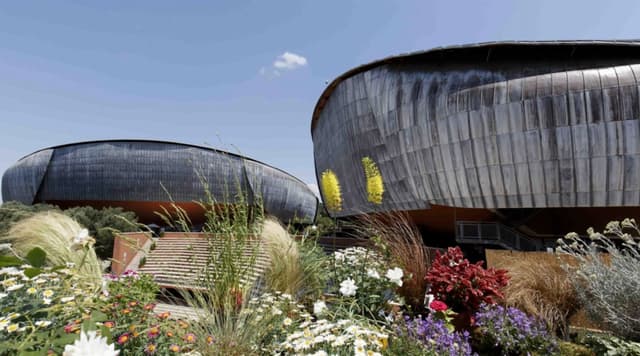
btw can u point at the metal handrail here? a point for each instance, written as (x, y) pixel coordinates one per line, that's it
(502, 235)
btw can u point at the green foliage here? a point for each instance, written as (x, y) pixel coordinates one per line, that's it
(13, 211)
(34, 311)
(609, 345)
(360, 280)
(133, 286)
(64, 240)
(325, 225)
(296, 267)
(103, 224)
(571, 349)
(405, 345)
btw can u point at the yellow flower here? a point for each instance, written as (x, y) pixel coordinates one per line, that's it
(13, 327)
(32, 290)
(331, 190)
(375, 185)
(48, 293)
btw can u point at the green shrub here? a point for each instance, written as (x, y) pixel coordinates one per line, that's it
(363, 282)
(103, 224)
(609, 345)
(34, 311)
(13, 211)
(571, 349)
(296, 267)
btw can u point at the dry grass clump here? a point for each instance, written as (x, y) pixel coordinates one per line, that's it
(284, 273)
(54, 233)
(399, 239)
(542, 288)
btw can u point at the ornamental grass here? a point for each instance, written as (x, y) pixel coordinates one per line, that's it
(542, 289)
(63, 239)
(400, 240)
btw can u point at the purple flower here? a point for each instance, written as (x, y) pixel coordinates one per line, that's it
(513, 331)
(435, 336)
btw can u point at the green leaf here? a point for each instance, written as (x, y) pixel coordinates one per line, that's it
(32, 272)
(36, 257)
(98, 316)
(10, 261)
(65, 339)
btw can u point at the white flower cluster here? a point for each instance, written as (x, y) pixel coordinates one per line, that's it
(318, 337)
(53, 287)
(268, 306)
(90, 344)
(358, 256)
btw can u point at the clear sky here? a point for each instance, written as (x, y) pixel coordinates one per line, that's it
(237, 75)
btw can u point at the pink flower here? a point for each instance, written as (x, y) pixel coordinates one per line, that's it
(438, 306)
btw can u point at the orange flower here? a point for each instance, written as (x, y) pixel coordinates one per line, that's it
(169, 333)
(183, 324)
(126, 311)
(153, 332)
(209, 340)
(109, 324)
(122, 339)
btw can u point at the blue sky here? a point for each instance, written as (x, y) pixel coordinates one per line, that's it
(205, 72)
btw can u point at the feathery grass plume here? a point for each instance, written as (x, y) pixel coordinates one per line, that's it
(542, 289)
(296, 267)
(398, 238)
(55, 233)
(284, 273)
(607, 274)
(331, 190)
(375, 185)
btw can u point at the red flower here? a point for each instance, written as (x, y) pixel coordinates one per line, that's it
(109, 324)
(69, 328)
(438, 306)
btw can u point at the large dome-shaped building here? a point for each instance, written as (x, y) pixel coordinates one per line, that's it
(531, 139)
(144, 176)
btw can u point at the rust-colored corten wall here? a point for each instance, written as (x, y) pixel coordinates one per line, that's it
(125, 248)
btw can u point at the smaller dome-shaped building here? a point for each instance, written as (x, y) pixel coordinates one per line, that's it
(143, 176)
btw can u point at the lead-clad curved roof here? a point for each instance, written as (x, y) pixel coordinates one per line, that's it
(492, 125)
(147, 171)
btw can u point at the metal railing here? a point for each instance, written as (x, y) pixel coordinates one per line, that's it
(494, 233)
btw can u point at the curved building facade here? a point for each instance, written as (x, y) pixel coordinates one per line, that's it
(140, 175)
(541, 136)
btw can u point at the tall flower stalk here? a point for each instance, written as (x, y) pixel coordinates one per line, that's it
(331, 191)
(375, 184)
